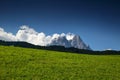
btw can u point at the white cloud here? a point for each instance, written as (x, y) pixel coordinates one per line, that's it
(7, 36)
(69, 36)
(109, 49)
(1, 29)
(55, 36)
(30, 35)
(39, 38)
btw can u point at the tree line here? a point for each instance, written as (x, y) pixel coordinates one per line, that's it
(58, 48)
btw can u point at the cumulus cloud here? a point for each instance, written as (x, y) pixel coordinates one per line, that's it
(27, 34)
(69, 36)
(7, 36)
(30, 35)
(39, 38)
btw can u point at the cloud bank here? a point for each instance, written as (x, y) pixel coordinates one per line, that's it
(39, 38)
(7, 36)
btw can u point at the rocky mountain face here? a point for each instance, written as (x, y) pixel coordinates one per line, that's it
(75, 41)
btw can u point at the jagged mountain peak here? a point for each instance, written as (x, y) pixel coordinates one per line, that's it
(77, 42)
(71, 41)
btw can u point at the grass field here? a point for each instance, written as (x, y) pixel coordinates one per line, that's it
(32, 64)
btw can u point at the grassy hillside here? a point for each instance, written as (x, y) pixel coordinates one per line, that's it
(32, 64)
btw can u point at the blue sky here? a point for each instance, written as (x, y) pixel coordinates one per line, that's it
(96, 21)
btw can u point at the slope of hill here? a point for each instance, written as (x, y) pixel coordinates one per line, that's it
(31, 64)
(58, 48)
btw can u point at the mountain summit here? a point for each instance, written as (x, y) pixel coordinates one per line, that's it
(70, 40)
(77, 42)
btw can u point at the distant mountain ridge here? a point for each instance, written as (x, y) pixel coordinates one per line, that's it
(58, 48)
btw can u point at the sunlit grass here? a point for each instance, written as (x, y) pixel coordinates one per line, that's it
(32, 64)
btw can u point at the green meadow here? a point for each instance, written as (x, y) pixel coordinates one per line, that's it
(33, 64)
